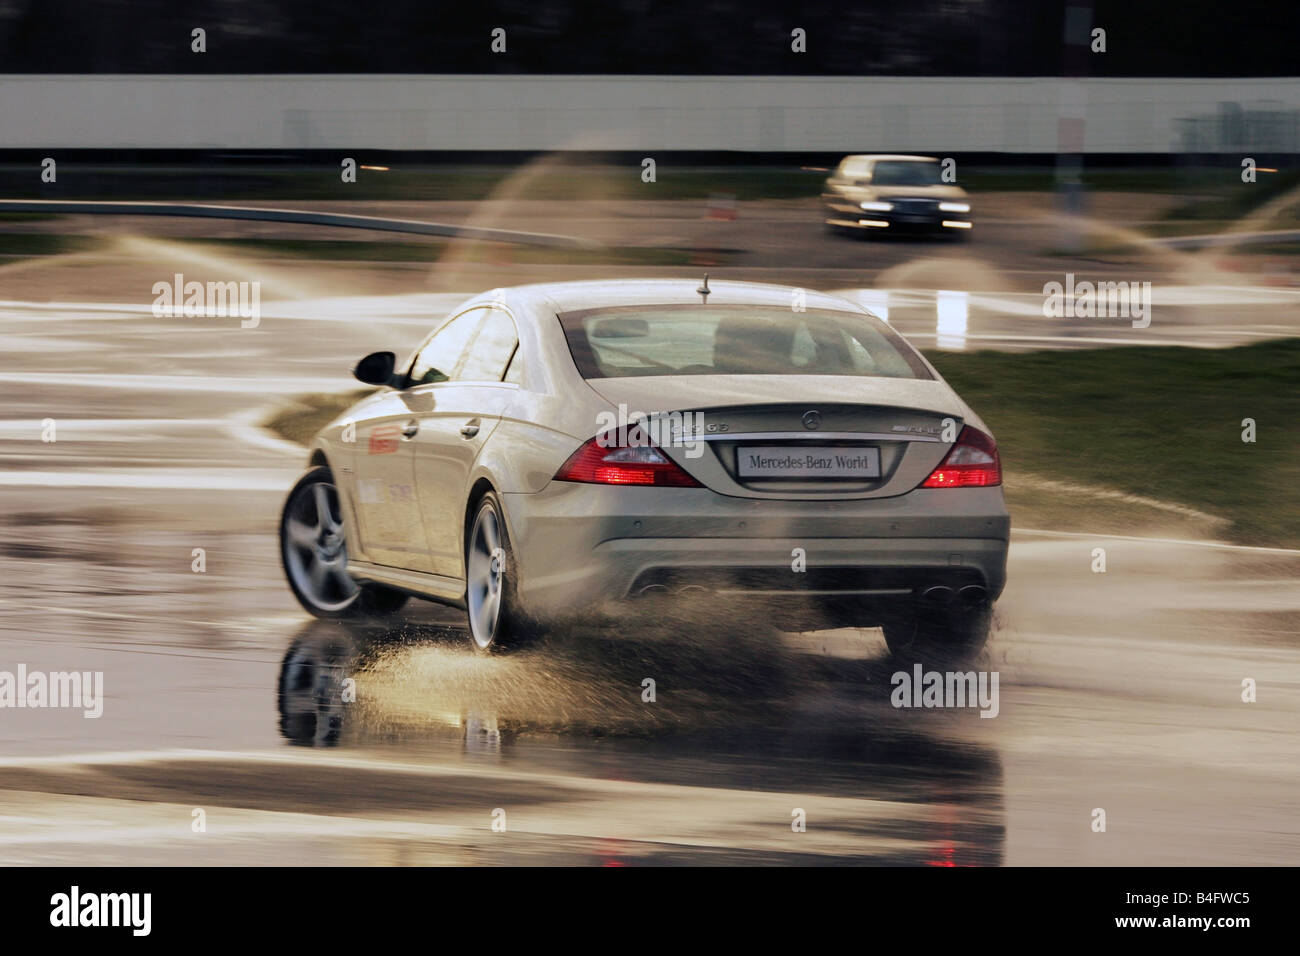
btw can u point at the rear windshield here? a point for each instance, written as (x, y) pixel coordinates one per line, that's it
(735, 340)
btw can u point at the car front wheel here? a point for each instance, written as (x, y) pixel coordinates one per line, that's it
(313, 549)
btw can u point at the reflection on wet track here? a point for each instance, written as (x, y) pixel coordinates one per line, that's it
(761, 733)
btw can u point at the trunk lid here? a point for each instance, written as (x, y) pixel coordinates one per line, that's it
(845, 437)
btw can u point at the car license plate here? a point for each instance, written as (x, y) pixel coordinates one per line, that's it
(807, 461)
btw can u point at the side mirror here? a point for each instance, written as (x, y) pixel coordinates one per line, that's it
(376, 368)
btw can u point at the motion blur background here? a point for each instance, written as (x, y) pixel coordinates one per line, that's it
(1120, 689)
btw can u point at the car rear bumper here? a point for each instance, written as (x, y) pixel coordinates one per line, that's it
(594, 550)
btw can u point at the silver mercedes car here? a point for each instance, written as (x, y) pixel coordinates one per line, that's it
(657, 451)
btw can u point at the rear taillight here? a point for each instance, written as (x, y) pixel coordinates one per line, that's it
(973, 462)
(608, 464)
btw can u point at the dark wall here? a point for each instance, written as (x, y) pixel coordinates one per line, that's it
(737, 37)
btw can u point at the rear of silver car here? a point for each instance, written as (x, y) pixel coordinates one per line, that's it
(799, 498)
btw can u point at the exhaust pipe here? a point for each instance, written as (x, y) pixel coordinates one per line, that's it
(652, 590)
(973, 594)
(939, 595)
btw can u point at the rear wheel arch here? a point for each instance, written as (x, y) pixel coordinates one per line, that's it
(476, 492)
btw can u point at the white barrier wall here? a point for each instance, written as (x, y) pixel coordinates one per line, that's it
(1016, 115)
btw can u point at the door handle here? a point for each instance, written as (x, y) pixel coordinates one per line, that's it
(410, 428)
(470, 428)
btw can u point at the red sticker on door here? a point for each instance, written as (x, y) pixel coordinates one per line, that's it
(383, 440)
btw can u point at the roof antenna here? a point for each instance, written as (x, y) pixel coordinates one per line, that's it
(704, 290)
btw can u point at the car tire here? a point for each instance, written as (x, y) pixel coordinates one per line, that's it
(948, 635)
(492, 609)
(313, 552)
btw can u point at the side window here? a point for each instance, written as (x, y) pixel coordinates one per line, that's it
(438, 359)
(515, 370)
(485, 358)
(473, 347)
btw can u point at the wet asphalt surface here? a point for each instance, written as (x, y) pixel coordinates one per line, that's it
(1120, 691)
